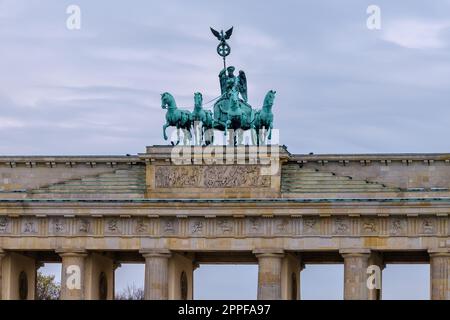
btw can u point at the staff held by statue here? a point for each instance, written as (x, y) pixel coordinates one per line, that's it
(223, 49)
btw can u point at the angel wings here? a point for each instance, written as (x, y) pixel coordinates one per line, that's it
(242, 85)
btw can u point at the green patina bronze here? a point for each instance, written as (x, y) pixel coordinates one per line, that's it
(231, 112)
(181, 119)
(203, 121)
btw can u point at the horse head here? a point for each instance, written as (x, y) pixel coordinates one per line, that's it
(268, 100)
(167, 100)
(198, 100)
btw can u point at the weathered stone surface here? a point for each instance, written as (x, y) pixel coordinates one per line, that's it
(440, 274)
(108, 209)
(238, 176)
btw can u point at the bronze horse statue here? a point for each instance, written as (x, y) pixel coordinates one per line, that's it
(181, 119)
(202, 121)
(263, 122)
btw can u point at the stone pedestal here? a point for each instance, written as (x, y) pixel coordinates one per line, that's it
(356, 262)
(440, 274)
(18, 276)
(269, 273)
(156, 274)
(217, 172)
(72, 274)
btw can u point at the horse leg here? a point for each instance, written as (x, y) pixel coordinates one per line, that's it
(195, 127)
(239, 136)
(164, 130)
(189, 135)
(178, 135)
(227, 124)
(200, 133)
(263, 135)
(185, 137)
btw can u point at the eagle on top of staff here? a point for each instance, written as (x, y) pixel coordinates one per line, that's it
(231, 110)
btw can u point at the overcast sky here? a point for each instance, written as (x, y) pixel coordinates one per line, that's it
(341, 88)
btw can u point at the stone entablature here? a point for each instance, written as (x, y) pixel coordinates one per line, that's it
(211, 226)
(91, 213)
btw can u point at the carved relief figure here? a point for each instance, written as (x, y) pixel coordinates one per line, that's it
(341, 226)
(29, 227)
(427, 226)
(309, 225)
(197, 227)
(210, 176)
(178, 177)
(4, 224)
(254, 224)
(113, 225)
(396, 226)
(141, 226)
(283, 225)
(58, 226)
(234, 176)
(370, 226)
(169, 227)
(84, 226)
(225, 225)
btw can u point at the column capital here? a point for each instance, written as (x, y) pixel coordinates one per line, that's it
(156, 253)
(352, 252)
(2, 253)
(439, 252)
(66, 252)
(268, 252)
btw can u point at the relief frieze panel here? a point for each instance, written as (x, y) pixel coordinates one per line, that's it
(254, 226)
(5, 225)
(219, 176)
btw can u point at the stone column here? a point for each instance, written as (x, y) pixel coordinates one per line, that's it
(376, 259)
(156, 274)
(72, 274)
(356, 262)
(269, 273)
(440, 274)
(2, 255)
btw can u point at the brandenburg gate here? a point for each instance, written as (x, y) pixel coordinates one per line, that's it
(281, 211)
(174, 208)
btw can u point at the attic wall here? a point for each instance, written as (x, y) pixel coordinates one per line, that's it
(397, 174)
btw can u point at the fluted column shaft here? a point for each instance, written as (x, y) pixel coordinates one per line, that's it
(2, 254)
(355, 274)
(376, 259)
(72, 274)
(156, 274)
(440, 274)
(269, 274)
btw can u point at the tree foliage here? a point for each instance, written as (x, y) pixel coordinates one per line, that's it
(131, 293)
(46, 287)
